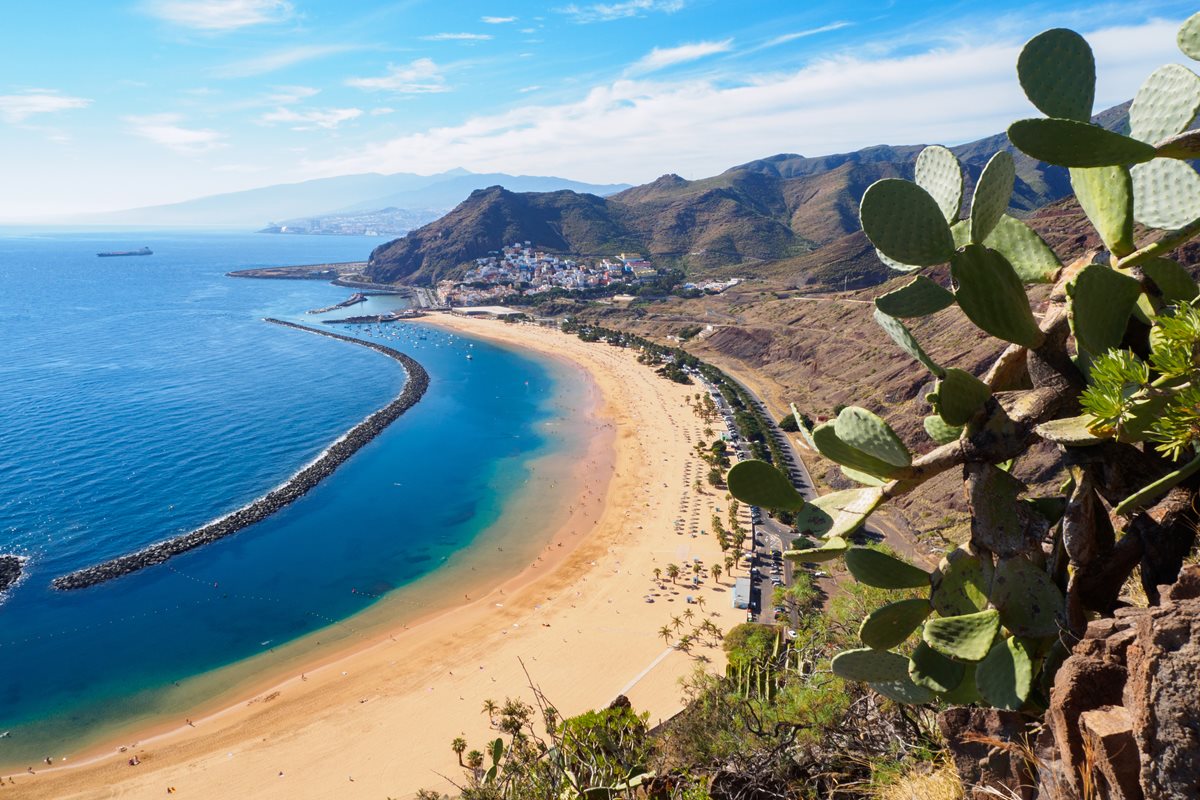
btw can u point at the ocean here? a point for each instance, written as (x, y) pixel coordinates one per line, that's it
(142, 397)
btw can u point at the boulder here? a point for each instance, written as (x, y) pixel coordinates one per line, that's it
(10, 571)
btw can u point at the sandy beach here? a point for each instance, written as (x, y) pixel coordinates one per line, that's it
(376, 720)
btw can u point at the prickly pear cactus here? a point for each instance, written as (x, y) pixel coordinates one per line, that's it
(1118, 340)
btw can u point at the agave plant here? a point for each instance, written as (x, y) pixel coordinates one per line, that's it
(1118, 340)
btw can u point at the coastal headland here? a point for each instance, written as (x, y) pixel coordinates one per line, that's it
(583, 617)
(295, 487)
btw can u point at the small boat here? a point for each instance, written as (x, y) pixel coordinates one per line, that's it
(145, 251)
(469, 356)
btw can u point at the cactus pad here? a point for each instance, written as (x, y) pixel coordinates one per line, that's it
(1166, 193)
(1106, 194)
(992, 193)
(929, 668)
(841, 452)
(991, 295)
(966, 638)
(966, 693)
(1072, 431)
(1101, 300)
(961, 583)
(941, 431)
(894, 264)
(958, 396)
(1165, 105)
(939, 173)
(1029, 602)
(1058, 73)
(1188, 37)
(1069, 143)
(1171, 279)
(905, 223)
(831, 549)
(838, 513)
(867, 432)
(1005, 675)
(761, 484)
(880, 666)
(1031, 258)
(904, 691)
(918, 298)
(890, 625)
(878, 569)
(998, 521)
(901, 336)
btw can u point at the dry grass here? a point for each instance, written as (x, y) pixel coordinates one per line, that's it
(939, 783)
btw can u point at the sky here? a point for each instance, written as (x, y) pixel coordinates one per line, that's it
(113, 104)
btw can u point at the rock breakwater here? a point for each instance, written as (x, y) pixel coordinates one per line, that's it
(10, 571)
(296, 487)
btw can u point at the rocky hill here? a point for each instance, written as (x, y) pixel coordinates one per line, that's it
(785, 213)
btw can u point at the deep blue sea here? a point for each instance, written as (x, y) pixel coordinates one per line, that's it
(142, 397)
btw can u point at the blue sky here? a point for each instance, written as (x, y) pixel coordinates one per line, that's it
(107, 105)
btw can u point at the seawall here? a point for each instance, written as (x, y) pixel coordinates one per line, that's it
(293, 489)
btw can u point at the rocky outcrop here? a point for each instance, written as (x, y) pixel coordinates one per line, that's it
(294, 489)
(10, 571)
(1124, 718)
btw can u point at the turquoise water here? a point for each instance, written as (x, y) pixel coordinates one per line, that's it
(141, 397)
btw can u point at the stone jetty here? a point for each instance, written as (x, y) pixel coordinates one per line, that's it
(354, 299)
(10, 571)
(299, 484)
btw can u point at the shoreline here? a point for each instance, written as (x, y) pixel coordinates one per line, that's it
(295, 487)
(577, 615)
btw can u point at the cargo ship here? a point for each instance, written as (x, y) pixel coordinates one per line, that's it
(145, 251)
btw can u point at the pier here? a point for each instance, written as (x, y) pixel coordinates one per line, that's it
(295, 488)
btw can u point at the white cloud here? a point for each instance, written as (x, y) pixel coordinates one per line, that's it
(663, 57)
(220, 15)
(310, 119)
(791, 37)
(382, 111)
(637, 129)
(422, 76)
(288, 95)
(16, 108)
(607, 12)
(497, 20)
(458, 37)
(279, 59)
(163, 129)
(528, 89)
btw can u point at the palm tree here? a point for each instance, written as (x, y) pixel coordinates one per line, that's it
(677, 622)
(657, 574)
(729, 562)
(459, 746)
(700, 602)
(672, 572)
(715, 571)
(490, 708)
(475, 760)
(665, 633)
(688, 614)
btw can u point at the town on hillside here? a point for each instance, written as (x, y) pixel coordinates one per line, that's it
(522, 270)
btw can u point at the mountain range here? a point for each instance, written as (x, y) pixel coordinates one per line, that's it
(428, 195)
(782, 212)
